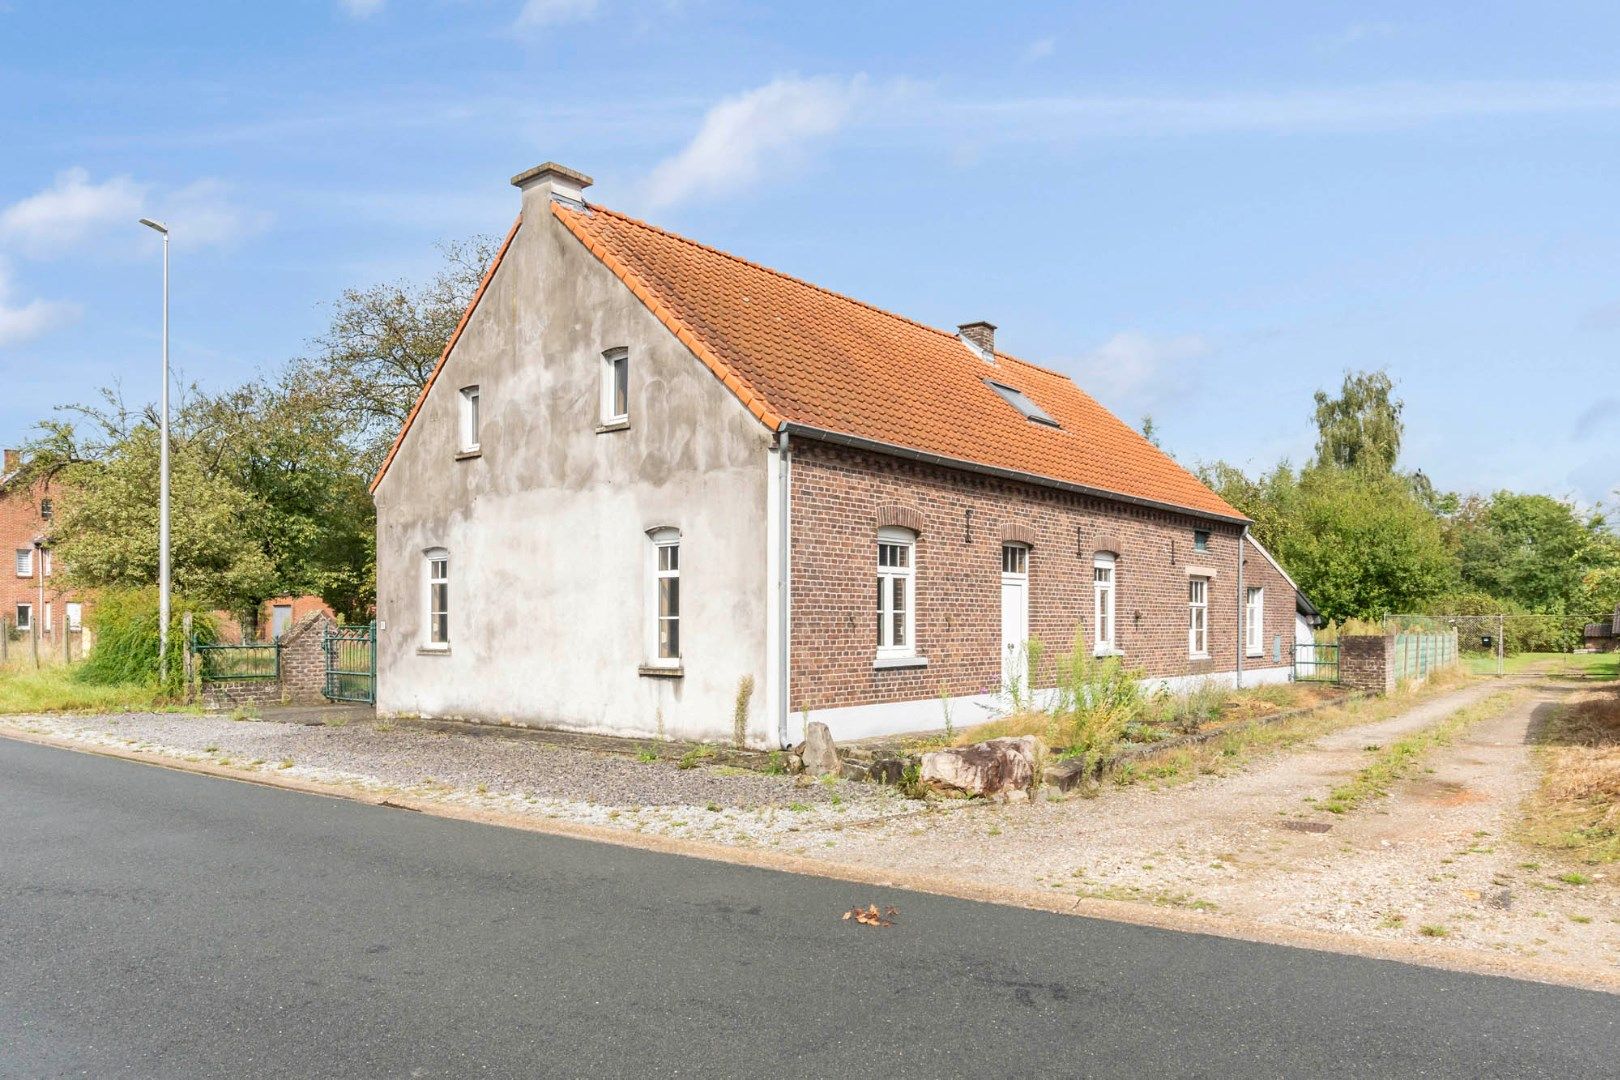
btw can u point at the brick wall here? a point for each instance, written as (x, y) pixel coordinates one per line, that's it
(841, 496)
(20, 525)
(1367, 662)
(303, 672)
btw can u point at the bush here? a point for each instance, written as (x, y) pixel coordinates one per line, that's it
(125, 625)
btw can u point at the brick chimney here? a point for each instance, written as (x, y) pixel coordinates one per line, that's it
(550, 182)
(13, 462)
(980, 337)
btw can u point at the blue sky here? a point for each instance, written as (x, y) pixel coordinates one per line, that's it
(1202, 211)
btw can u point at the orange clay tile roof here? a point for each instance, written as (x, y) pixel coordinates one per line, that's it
(793, 352)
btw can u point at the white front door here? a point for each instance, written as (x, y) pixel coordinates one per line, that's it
(1014, 615)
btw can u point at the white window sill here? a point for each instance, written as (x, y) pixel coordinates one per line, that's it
(892, 663)
(470, 452)
(433, 650)
(606, 426)
(1102, 651)
(661, 671)
(1198, 656)
(1258, 654)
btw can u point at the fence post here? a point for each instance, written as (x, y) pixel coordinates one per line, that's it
(5, 640)
(190, 663)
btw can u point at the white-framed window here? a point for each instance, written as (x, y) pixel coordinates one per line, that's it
(25, 562)
(75, 616)
(47, 509)
(1254, 621)
(24, 617)
(896, 595)
(436, 565)
(1102, 603)
(665, 622)
(469, 419)
(1200, 540)
(45, 560)
(47, 614)
(1198, 616)
(615, 386)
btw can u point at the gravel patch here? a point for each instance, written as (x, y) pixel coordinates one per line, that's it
(507, 774)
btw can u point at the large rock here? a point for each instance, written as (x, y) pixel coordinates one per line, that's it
(820, 753)
(995, 767)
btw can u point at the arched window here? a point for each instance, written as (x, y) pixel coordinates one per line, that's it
(665, 616)
(436, 578)
(1102, 603)
(896, 592)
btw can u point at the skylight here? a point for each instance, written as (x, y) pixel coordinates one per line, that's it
(1017, 400)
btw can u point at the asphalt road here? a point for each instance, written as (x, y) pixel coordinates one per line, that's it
(154, 923)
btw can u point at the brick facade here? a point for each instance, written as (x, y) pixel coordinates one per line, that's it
(21, 523)
(841, 496)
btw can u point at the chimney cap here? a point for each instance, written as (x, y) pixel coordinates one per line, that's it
(574, 177)
(977, 323)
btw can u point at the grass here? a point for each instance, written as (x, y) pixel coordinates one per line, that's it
(1402, 757)
(54, 689)
(1576, 809)
(1590, 665)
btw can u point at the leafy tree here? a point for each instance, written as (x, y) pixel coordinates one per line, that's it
(1537, 551)
(1361, 428)
(383, 342)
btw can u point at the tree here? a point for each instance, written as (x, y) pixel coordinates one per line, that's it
(369, 367)
(1361, 428)
(1537, 551)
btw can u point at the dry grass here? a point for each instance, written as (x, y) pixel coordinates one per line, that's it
(1577, 808)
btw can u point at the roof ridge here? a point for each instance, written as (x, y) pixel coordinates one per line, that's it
(782, 274)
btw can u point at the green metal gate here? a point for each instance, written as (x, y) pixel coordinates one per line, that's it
(1316, 663)
(351, 663)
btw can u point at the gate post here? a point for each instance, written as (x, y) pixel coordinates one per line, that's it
(191, 656)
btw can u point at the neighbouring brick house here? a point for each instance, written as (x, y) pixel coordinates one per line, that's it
(651, 484)
(33, 599)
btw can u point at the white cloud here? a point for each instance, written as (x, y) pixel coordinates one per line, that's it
(69, 210)
(743, 137)
(24, 322)
(74, 210)
(361, 9)
(1132, 373)
(552, 12)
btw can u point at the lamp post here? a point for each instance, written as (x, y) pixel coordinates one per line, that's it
(163, 470)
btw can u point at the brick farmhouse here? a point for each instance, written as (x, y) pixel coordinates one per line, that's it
(33, 601)
(654, 489)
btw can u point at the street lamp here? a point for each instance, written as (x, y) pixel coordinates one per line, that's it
(163, 471)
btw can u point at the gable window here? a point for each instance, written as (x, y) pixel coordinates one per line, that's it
(1254, 621)
(437, 567)
(25, 617)
(1102, 603)
(615, 386)
(25, 562)
(1020, 401)
(896, 598)
(1198, 617)
(469, 419)
(1201, 540)
(666, 597)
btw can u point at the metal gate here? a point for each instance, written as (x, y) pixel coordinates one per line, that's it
(1316, 663)
(351, 663)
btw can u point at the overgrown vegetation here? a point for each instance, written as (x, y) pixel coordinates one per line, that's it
(739, 711)
(1576, 810)
(125, 624)
(1398, 760)
(55, 688)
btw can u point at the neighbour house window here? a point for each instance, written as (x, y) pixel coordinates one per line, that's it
(25, 562)
(46, 509)
(615, 386)
(1254, 622)
(1102, 602)
(1201, 540)
(45, 560)
(75, 616)
(896, 597)
(469, 419)
(25, 616)
(1198, 616)
(47, 614)
(666, 592)
(438, 599)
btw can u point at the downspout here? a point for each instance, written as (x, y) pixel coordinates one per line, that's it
(1242, 605)
(784, 593)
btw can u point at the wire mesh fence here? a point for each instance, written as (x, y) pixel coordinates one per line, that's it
(1486, 644)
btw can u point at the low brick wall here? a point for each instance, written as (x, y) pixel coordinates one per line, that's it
(303, 673)
(1367, 662)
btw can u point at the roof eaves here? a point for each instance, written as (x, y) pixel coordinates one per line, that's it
(861, 442)
(455, 336)
(751, 398)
